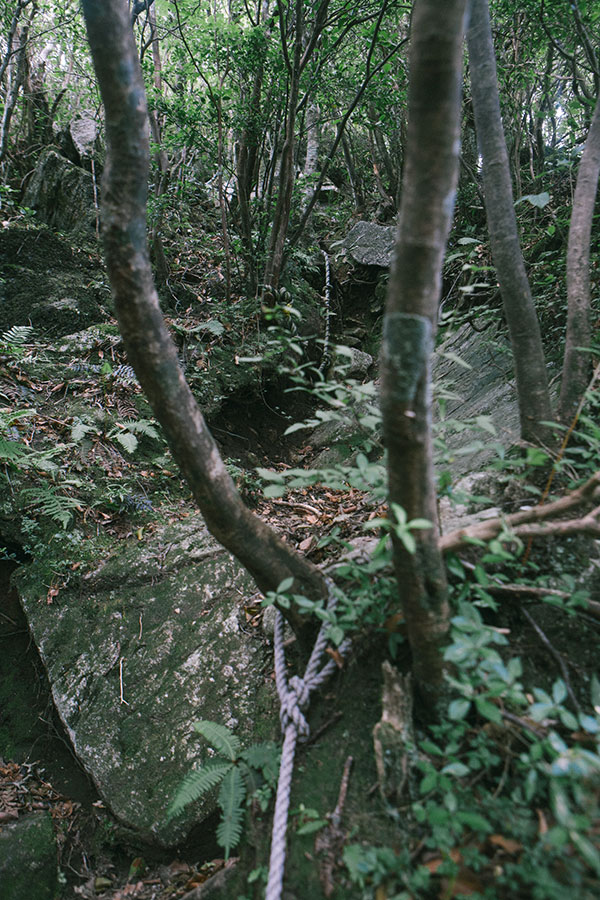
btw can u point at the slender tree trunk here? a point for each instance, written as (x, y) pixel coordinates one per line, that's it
(16, 80)
(530, 367)
(161, 160)
(283, 204)
(150, 349)
(429, 189)
(577, 362)
(355, 182)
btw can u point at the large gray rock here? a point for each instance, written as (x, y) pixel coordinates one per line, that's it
(476, 369)
(46, 283)
(369, 244)
(84, 134)
(62, 194)
(148, 642)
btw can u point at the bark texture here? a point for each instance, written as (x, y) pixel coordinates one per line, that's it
(429, 188)
(149, 347)
(577, 362)
(528, 354)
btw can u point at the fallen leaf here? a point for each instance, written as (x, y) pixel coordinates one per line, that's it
(507, 844)
(543, 824)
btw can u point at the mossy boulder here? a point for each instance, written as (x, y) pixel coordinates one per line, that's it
(151, 640)
(62, 194)
(48, 283)
(28, 859)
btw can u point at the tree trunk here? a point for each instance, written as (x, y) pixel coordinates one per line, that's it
(16, 80)
(577, 362)
(428, 194)
(283, 205)
(149, 347)
(530, 367)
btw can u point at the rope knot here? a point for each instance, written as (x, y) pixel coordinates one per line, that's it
(293, 703)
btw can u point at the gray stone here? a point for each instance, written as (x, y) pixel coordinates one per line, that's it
(28, 858)
(369, 244)
(148, 642)
(353, 363)
(62, 194)
(84, 134)
(481, 386)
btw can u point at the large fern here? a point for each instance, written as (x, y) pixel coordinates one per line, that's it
(237, 772)
(220, 737)
(231, 800)
(17, 336)
(197, 783)
(52, 504)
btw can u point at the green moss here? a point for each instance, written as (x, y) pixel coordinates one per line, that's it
(28, 862)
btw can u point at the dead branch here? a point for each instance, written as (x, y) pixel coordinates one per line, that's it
(534, 522)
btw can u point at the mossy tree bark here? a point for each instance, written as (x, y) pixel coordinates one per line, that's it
(528, 354)
(577, 362)
(428, 194)
(150, 349)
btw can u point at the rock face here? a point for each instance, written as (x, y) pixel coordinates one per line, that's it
(45, 283)
(150, 641)
(369, 244)
(477, 369)
(62, 194)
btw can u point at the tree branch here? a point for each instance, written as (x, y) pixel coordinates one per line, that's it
(150, 349)
(534, 522)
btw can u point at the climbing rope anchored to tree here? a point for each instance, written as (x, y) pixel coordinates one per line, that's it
(294, 697)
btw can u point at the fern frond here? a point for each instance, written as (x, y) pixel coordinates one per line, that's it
(124, 375)
(126, 439)
(11, 451)
(196, 784)
(142, 426)
(17, 335)
(219, 737)
(265, 758)
(55, 506)
(231, 800)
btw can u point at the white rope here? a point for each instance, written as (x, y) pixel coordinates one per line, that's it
(327, 298)
(294, 698)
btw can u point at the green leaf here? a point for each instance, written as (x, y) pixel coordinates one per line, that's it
(79, 430)
(488, 710)
(312, 826)
(274, 490)
(539, 200)
(474, 820)
(285, 585)
(428, 783)
(587, 850)
(458, 709)
(408, 541)
(231, 798)
(568, 719)
(420, 523)
(559, 691)
(219, 737)
(458, 769)
(127, 440)
(589, 723)
(196, 784)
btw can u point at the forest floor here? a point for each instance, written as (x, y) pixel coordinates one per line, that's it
(97, 859)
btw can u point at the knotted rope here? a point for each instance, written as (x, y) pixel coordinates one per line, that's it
(294, 698)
